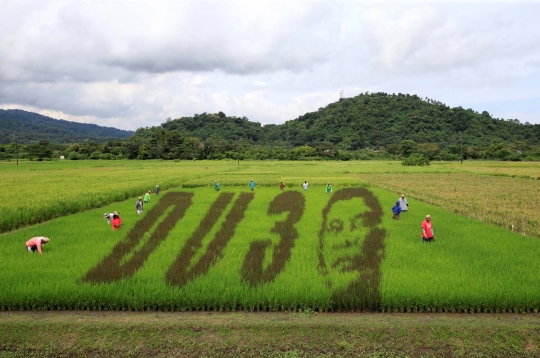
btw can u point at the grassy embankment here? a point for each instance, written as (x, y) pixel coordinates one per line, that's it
(124, 334)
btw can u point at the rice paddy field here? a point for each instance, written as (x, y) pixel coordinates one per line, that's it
(195, 249)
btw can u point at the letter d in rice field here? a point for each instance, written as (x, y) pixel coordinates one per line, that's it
(125, 259)
(351, 248)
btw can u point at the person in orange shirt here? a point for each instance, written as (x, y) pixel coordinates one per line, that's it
(281, 186)
(116, 221)
(427, 230)
(36, 243)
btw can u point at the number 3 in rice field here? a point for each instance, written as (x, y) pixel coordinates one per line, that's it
(252, 270)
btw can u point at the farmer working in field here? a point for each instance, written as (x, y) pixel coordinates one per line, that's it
(427, 230)
(36, 243)
(252, 185)
(216, 186)
(147, 197)
(328, 188)
(403, 203)
(116, 221)
(396, 210)
(139, 206)
(281, 186)
(157, 189)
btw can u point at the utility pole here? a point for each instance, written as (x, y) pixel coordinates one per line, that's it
(461, 140)
(17, 146)
(238, 139)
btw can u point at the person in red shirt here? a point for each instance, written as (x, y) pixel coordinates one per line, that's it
(427, 230)
(281, 186)
(116, 221)
(36, 243)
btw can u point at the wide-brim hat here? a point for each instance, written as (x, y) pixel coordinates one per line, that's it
(45, 239)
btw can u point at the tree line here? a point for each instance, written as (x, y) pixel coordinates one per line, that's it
(368, 126)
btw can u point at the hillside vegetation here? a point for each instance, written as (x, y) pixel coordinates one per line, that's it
(32, 127)
(368, 126)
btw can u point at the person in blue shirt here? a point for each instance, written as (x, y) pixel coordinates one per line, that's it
(396, 210)
(252, 185)
(216, 186)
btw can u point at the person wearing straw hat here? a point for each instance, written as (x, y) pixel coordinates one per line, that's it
(329, 188)
(216, 186)
(36, 243)
(157, 190)
(427, 230)
(403, 203)
(116, 221)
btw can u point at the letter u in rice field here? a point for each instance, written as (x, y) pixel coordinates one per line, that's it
(351, 248)
(125, 258)
(183, 270)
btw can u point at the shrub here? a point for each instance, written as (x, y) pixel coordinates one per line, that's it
(416, 160)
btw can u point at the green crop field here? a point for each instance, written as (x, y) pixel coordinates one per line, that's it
(197, 249)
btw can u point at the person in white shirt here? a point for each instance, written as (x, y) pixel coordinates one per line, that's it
(403, 203)
(305, 185)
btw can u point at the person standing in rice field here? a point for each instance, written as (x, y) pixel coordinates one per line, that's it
(329, 188)
(216, 186)
(281, 186)
(147, 196)
(305, 185)
(252, 185)
(116, 221)
(396, 210)
(403, 203)
(139, 206)
(157, 190)
(427, 230)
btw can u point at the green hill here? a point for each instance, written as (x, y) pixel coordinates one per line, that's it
(367, 120)
(32, 127)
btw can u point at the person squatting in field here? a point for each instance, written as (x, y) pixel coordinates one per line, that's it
(427, 230)
(116, 221)
(147, 196)
(396, 210)
(139, 206)
(36, 243)
(403, 203)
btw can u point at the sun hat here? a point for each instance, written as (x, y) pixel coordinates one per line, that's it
(115, 213)
(45, 239)
(428, 216)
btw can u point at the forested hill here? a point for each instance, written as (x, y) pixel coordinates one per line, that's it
(32, 127)
(366, 121)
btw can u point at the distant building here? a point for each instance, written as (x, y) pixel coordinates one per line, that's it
(61, 157)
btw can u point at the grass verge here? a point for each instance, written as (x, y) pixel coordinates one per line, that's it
(300, 334)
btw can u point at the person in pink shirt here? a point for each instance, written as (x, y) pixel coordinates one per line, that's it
(427, 230)
(35, 243)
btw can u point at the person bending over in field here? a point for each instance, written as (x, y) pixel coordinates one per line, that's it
(396, 210)
(427, 230)
(116, 221)
(36, 243)
(216, 186)
(403, 203)
(281, 186)
(252, 185)
(139, 206)
(147, 196)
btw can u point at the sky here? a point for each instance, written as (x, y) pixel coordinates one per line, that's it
(131, 64)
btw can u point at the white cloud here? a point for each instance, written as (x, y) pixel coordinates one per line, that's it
(133, 63)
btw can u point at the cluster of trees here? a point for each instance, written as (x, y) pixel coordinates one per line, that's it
(368, 126)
